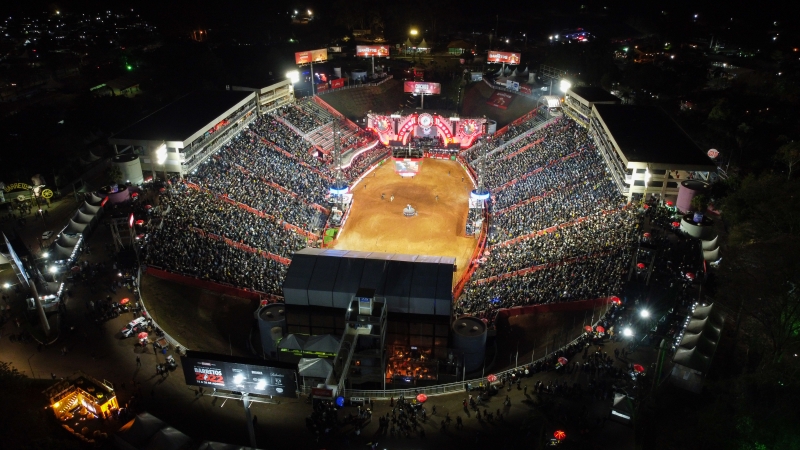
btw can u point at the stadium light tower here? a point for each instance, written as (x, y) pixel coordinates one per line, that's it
(565, 85)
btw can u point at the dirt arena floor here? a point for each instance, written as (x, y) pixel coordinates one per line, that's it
(437, 229)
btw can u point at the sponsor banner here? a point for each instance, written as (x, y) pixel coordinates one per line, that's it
(311, 56)
(500, 99)
(237, 374)
(322, 87)
(512, 85)
(421, 87)
(504, 57)
(322, 392)
(407, 166)
(372, 50)
(337, 83)
(525, 89)
(335, 49)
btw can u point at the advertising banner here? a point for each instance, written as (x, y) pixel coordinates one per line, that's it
(322, 87)
(320, 55)
(407, 166)
(421, 87)
(238, 374)
(322, 392)
(337, 83)
(500, 99)
(372, 50)
(512, 85)
(525, 89)
(504, 57)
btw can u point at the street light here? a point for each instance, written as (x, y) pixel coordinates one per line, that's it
(627, 332)
(413, 32)
(565, 85)
(53, 269)
(45, 255)
(293, 76)
(645, 314)
(6, 285)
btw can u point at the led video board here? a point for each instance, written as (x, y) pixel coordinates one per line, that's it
(239, 374)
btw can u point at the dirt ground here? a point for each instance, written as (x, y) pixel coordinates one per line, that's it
(438, 229)
(200, 319)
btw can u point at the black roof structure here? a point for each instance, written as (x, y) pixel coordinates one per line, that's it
(594, 94)
(412, 284)
(646, 134)
(184, 117)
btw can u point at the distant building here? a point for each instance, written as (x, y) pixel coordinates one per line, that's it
(646, 152)
(459, 47)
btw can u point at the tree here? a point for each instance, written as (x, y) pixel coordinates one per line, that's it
(763, 208)
(699, 203)
(789, 154)
(761, 281)
(114, 174)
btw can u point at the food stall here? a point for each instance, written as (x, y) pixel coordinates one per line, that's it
(81, 398)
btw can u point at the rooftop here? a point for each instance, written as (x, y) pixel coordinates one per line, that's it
(184, 117)
(593, 94)
(645, 134)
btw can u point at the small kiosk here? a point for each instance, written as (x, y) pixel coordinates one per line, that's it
(82, 396)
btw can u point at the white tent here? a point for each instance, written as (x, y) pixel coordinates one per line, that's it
(74, 227)
(168, 438)
(314, 368)
(324, 343)
(4, 259)
(62, 252)
(68, 240)
(622, 410)
(292, 342)
(138, 431)
(95, 199)
(83, 218)
(88, 207)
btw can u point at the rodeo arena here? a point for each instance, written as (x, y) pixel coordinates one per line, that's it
(407, 259)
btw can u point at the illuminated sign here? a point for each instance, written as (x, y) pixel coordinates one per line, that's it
(17, 187)
(130, 221)
(239, 374)
(311, 56)
(372, 50)
(422, 87)
(504, 57)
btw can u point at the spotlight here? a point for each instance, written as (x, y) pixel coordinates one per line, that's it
(627, 332)
(645, 313)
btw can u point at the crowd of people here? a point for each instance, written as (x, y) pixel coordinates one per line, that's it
(511, 132)
(363, 161)
(184, 244)
(559, 229)
(304, 115)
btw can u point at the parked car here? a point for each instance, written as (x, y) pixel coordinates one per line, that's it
(135, 326)
(47, 235)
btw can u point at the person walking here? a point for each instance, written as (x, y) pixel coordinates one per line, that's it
(138, 362)
(391, 199)
(437, 198)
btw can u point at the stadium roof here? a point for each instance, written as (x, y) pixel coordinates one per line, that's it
(181, 120)
(645, 134)
(593, 94)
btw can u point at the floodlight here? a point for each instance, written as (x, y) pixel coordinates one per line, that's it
(565, 85)
(53, 269)
(161, 154)
(293, 76)
(45, 255)
(627, 332)
(645, 313)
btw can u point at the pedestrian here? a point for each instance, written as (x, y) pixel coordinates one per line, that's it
(525, 391)
(383, 196)
(433, 413)
(53, 375)
(138, 362)
(391, 199)
(437, 198)
(616, 353)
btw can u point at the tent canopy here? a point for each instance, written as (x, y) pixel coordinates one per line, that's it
(623, 408)
(89, 207)
(324, 343)
(293, 342)
(68, 240)
(314, 368)
(82, 218)
(168, 438)
(138, 431)
(74, 227)
(62, 252)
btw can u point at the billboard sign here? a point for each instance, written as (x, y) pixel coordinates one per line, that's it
(421, 87)
(512, 85)
(372, 50)
(504, 57)
(22, 274)
(311, 56)
(337, 83)
(407, 166)
(500, 99)
(239, 374)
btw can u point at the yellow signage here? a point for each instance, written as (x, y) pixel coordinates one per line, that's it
(17, 187)
(47, 193)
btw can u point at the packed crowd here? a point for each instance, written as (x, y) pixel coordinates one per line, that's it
(303, 115)
(498, 140)
(558, 182)
(273, 131)
(182, 243)
(363, 161)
